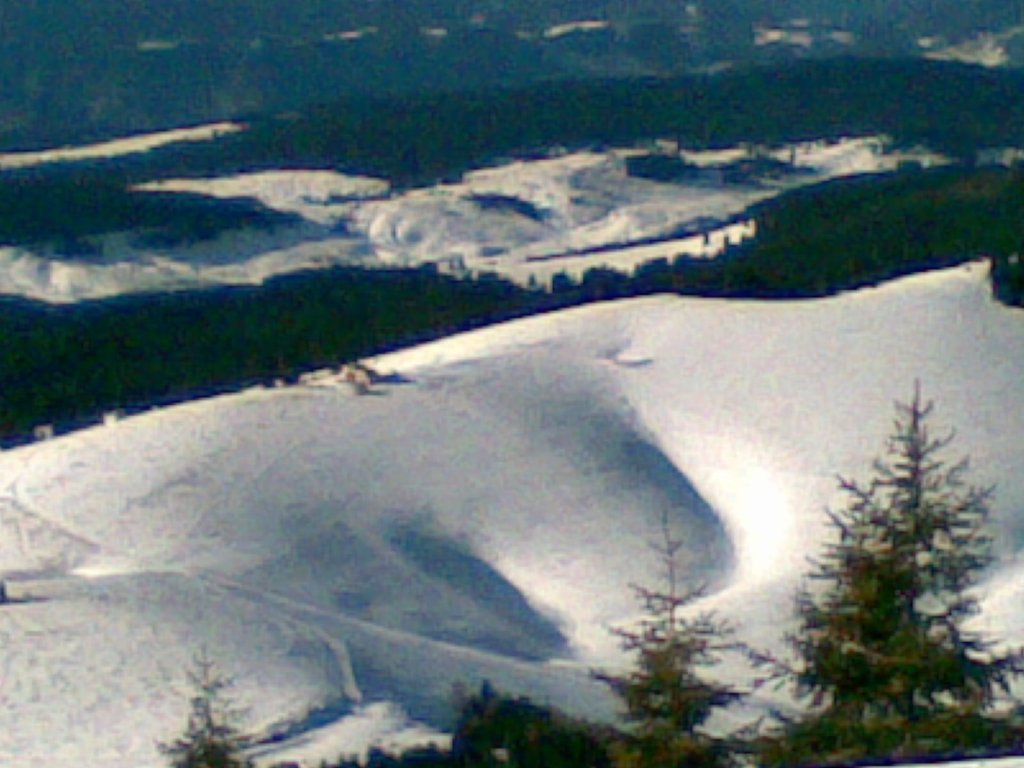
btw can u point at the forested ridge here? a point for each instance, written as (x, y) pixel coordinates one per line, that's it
(68, 364)
(416, 140)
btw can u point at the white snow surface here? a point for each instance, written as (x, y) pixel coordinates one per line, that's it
(526, 220)
(986, 49)
(561, 30)
(128, 145)
(359, 555)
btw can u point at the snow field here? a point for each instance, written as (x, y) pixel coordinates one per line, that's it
(522, 220)
(358, 556)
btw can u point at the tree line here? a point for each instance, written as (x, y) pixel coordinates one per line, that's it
(67, 365)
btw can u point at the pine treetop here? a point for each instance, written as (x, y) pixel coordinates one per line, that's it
(882, 645)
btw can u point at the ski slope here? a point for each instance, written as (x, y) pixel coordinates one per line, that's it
(480, 515)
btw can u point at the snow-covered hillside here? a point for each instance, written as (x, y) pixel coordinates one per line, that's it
(526, 220)
(479, 515)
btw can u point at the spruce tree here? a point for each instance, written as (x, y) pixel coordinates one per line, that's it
(666, 696)
(882, 646)
(210, 739)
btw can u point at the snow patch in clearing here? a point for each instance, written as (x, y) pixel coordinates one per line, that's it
(561, 30)
(984, 50)
(525, 220)
(118, 147)
(349, 35)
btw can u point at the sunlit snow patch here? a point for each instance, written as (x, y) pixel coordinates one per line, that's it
(349, 35)
(117, 147)
(105, 567)
(984, 50)
(561, 30)
(800, 38)
(54, 280)
(157, 46)
(382, 725)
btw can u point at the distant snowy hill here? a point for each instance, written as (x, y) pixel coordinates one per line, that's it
(526, 220)
(347, 558)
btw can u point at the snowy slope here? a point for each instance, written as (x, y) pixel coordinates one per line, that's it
(523, 220)
(481, 517)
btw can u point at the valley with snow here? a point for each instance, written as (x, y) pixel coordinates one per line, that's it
(525, 220)
(355, 417)
(479, 515)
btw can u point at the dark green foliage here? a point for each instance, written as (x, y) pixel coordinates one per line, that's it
(416, 757)
(658, 167)
(69, 364)
(837, 740)
(857, 232)
(847, 234)
(210, 739)
(851, 233)
(882, 651)
(496, 202)
(882, 647)
(666, 694)
(70, 69)
(65, 210)
(1008, 279)
(419, 139)
(498, 731)
(1008, 261)
(495, 730)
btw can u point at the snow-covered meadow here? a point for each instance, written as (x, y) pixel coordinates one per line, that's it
(478, 515)
(526, 220)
